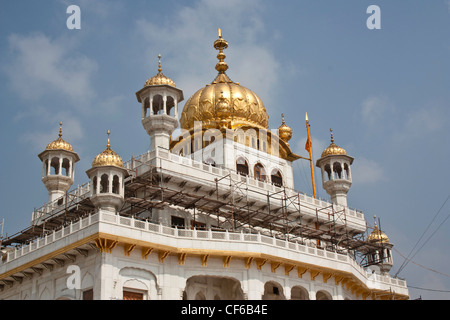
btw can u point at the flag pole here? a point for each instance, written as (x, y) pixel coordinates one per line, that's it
(308, 148)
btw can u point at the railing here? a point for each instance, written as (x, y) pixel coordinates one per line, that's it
(79, 192)
(207, 235)
(143, 160)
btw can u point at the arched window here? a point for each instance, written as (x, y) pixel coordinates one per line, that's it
(115, 185)
(276, 178)
(346, 171)
(337, 169)
(94, 187)
(260, 172)
(170, 103)
(242, 167)
(158, 104)
(328, 171)
(54, 166)
(46, 164)
(66, 167)
(104, 184)
(146, 108)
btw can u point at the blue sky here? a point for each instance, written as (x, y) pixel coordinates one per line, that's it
(384, 92)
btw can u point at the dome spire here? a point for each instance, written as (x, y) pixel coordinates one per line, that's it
(60, 129)
(108, 157)
(221, 44)
(159, 63)
(108, 145)
(159, 78)
(221, 66)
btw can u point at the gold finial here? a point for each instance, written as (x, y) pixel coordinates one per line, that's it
(331, 132)
(159, 63)
(221, 44)
(282, 118)
(306, 117)
(60, 129)
(108, 145)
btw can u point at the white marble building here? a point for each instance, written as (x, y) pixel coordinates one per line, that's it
(212, 214)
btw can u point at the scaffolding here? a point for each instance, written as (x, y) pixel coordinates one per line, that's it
(228, 199)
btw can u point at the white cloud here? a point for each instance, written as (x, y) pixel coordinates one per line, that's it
(189, 34)
(420, 123)
(365, 171)
(375, 108)
(41, 66)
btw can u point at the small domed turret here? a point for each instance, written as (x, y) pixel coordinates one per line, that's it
(58, 171)
(336, 176)
(107, 180)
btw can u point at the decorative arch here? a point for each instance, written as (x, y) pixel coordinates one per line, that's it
(260, 172)
(138, 283)
(276, 177)
(323, 295)
(204, 287)
(273, 291)
(299, 293)
(242, 167)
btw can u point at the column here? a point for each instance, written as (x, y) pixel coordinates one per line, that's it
(176, 108)
(150, 112)
(48, 165)
(110, 182)
(165, 102)
(60, 165)
(69, 172)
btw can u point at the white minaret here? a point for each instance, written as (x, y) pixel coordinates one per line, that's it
(336, 174)
(58, 169)
(159, 100)
(107, 180)
(380, 257)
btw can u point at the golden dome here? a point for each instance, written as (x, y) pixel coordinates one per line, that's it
(159, 78)
(284, 131)
(378, 236)
(333, 149)
(107, 158)
(59, 144)
(224, 103)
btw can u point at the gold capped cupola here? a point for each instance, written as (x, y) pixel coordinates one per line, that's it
(108, 157)
(245, 108)
(377, 235)
(59, 144)
(159, 78)
(333, 149)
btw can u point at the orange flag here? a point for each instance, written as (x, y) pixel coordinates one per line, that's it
(308, 140)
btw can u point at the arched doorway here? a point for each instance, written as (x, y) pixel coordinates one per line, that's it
(323, 295)
(299, 293)
(213, 288)
(273, 291)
